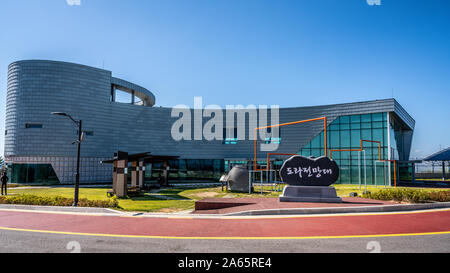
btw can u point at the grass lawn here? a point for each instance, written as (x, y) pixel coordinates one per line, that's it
(173, 199)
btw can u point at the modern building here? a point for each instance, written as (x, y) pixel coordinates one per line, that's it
(119, 115)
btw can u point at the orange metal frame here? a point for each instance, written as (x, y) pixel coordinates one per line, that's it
(281, 125)
(379, 155)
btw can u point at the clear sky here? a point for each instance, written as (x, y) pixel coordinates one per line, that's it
(289, 53)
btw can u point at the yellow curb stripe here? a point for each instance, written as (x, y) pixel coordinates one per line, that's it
(224, 238)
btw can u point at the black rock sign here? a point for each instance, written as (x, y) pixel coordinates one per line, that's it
(303, 171)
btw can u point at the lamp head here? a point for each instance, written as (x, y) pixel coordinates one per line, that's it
(59, 114)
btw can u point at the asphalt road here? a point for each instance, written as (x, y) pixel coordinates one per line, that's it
(402, 232)
(30, 242)
(298, 227)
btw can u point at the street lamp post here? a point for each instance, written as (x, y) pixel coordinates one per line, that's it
(80, 136)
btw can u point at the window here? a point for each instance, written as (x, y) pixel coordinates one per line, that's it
(32, 173)
(125, 96)
(377, 117)
(356, 139)
(355, 119)
(230, 136)
(273, 140)
(366, 118)
(34, 126)
(122, 96)
(335, 140)
(345, 139)
(345, 127)
(315, 143)
(344, 119)
(138, 101)
(366, 134)
(189, 169)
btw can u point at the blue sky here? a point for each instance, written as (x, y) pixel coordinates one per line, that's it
(289, 53)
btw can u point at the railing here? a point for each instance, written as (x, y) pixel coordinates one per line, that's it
(266, 178)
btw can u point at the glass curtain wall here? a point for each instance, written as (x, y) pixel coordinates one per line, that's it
(188, 169)
(396, 132)
(346, 132)
(396, 138)
(32, 173)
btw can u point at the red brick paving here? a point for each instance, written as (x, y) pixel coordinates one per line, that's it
(436, 221)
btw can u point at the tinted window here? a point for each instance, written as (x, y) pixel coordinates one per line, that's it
(33, 126)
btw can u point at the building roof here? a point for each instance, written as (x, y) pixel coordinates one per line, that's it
(443, 155)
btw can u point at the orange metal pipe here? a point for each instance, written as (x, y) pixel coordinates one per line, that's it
(395, 174)
(379, 155)
(286, 124)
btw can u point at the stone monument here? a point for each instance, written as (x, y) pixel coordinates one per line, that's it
(309, 180)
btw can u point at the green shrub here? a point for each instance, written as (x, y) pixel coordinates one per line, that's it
(409, 195)
(440, 196)
(26, 199)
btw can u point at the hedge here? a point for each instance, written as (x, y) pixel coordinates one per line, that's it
(409, 195)
(26, 199)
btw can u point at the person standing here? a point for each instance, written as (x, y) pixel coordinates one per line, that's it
(4, 179)
(165, 177)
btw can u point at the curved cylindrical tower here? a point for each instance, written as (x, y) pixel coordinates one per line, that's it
(35, 137)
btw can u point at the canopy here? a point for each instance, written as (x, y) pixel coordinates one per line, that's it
(443, 155)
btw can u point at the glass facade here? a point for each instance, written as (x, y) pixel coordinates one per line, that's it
(187, 169)
(406, 171)
(230, 163)
(32, 173)
(346, 132)
(395, 132)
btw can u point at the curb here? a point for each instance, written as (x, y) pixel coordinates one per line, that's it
(86, 210)
(365, 209)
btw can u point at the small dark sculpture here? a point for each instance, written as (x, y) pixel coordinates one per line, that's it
(238, 179)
